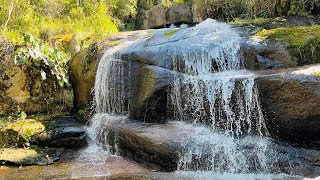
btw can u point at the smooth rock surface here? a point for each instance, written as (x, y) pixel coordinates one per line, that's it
(262, 57)
(39, 156)
(291, 105)
(87, 163)
(150, 103)
(64, 132)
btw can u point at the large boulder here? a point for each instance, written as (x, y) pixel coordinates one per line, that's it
(155, 17)
(151, 100)
(83, 68)
(161, 16)
(290, 102)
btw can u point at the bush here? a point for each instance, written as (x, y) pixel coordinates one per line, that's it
(35, 53)
(39, 17)
(230, 9)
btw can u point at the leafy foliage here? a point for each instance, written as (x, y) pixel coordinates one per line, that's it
(230, 9)
(90, 18)
(37, 54)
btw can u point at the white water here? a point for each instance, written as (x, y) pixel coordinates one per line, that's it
(213, 91)
(226, 101)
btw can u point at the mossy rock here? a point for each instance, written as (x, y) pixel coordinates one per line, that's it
(20, 133)
(62, 131)
(303, 42)
(34, 156)
(83, 70)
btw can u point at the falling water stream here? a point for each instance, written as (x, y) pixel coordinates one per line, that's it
(212, 92)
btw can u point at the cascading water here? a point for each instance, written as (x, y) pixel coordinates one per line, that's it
(214, 91)
(211, 90)
(110, 95)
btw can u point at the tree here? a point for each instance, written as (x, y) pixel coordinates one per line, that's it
(10, 9)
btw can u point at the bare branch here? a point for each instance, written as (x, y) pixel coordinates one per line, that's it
(10, 9)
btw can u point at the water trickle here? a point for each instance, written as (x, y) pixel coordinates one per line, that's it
(110, 87)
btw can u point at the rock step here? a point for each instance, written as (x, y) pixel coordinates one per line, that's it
(159, 146)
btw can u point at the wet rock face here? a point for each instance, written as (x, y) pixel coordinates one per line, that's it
(64, 132)
(154, 145)
(291, 107)
(150, 102)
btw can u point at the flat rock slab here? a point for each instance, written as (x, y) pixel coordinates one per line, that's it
(64, 132)
(152, 144)
(160, 146)
(37, 156)
(86, 163)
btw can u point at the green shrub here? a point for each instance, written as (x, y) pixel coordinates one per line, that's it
(48, 18)
(35, 53)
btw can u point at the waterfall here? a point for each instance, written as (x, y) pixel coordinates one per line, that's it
(212, 91)
(225, 102)
(111, 92)
(215, 91)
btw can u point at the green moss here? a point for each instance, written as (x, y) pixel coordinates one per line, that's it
(171, 32)
(303, 42)
(148, 41)
(252, 22)
(114, 43)
(317, 73)
(26, 129)
(292, 36)
(19, 133)
(11, 72)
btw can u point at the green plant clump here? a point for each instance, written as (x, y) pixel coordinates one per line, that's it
(35, 53)
(252, 22)
(88, 19)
